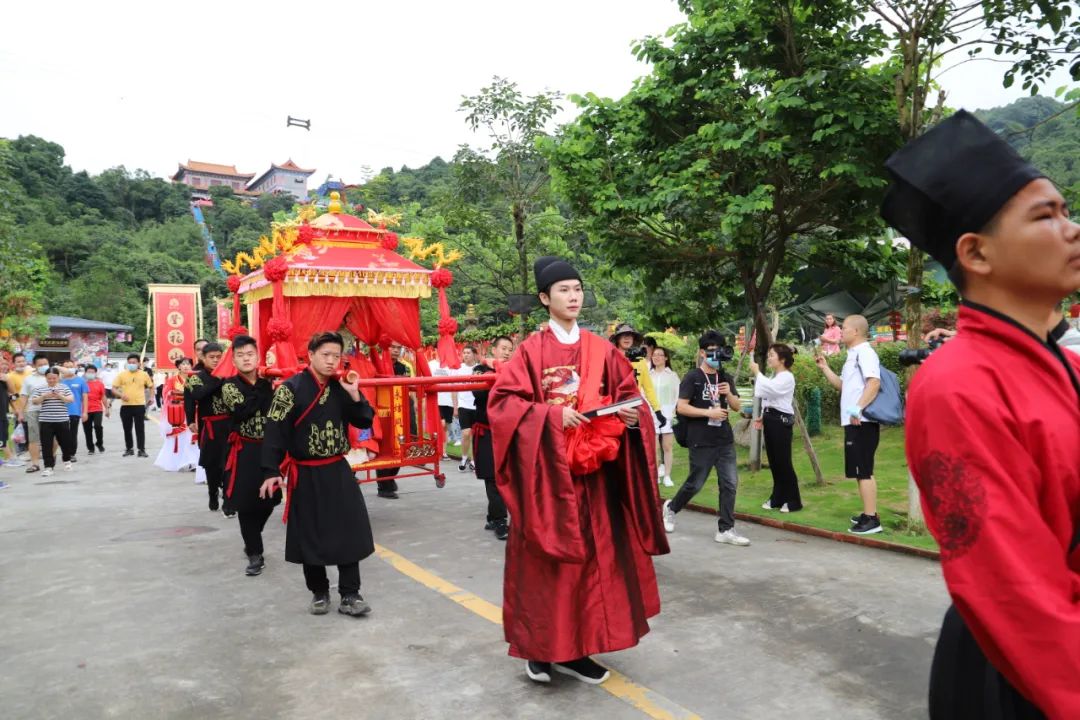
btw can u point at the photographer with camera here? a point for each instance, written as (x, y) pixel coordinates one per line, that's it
(1000, 479)
(632, 344)
(706, 395)
(859, 382)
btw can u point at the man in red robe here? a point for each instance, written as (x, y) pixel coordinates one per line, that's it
(579, 577)
(993, 424)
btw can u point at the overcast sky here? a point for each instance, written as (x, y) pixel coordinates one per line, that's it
(150, 84)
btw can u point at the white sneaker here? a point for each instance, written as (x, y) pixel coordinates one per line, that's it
(669, 517)
(14, 463)
(660, 472)
(47, 472)
(767, 505)
(784, 508)
(67, 466)
(731, 538)
(667, 481)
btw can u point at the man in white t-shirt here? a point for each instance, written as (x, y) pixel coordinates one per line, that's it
(446, 404)
(859, 382)
(465, 409)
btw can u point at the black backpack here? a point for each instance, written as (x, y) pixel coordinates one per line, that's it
(681, 429)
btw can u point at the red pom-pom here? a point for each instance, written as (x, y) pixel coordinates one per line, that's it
(448, 326)
(279, 329)
(305, 234)
(236, 331)
(442, 278)
(233, 281)
(1074, 310)
(275, 269)
(390, 241)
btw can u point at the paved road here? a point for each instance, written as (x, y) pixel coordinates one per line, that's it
(124, 597)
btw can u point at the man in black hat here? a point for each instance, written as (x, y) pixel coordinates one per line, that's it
(1000, 480)
(579, 575)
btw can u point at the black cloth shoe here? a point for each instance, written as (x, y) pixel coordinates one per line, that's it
(213, 501)
(90, 451)
(320, 604)
(856, 519)
(489, 525)
(869, 525)
(586, 670)
(502, 530)
(255, 565)
(74, 459)
(354, 605)
(142, 453)
(388, 494)
(538, 671)
(129, 452)
(101, 448)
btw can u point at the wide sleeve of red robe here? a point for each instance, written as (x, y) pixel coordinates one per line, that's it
(993, 440)
(579, 578)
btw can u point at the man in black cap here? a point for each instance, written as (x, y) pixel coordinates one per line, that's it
(1000, 480)
(579, 576)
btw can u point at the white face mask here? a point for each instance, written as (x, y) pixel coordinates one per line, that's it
(90, 375)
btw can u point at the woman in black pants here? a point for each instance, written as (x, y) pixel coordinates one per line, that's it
(778, 421)
(484, 458)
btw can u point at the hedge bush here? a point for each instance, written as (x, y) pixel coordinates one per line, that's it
(808, 377)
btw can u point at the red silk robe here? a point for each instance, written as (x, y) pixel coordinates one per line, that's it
(579, 578)
(993, 440)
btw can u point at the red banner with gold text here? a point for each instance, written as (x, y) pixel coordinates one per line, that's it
(176, 322)
(224, 319)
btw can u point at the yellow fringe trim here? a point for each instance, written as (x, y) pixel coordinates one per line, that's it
(311, 289)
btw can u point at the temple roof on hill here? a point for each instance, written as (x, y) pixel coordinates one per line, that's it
(288, 166)
(211, 169)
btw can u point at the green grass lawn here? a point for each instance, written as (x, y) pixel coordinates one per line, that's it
(828, 507)
(831, 506)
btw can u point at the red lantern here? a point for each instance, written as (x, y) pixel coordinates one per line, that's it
(442, 278)
(233, 282)
(275, 269)
(390, 241)
(305, 234)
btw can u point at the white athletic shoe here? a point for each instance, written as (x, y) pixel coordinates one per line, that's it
(667, 481)
(47, 472)
(67, 466)
(660, 472)
(731, 537)
(669, 517)
(784, 508)
(766, 505)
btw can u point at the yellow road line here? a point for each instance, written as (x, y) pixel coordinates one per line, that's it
(647, 701)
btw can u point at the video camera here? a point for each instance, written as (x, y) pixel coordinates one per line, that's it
(917, 356)
(720, 355)
(639, 352)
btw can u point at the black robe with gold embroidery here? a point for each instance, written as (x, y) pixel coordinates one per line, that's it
(248, 404)
(328, 521)
(202, 399)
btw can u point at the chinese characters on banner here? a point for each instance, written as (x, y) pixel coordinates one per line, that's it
(224, 319)
(176, 322)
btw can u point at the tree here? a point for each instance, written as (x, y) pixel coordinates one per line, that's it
(754, 146)
(512, 163)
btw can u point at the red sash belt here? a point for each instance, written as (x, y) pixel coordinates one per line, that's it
(479, 430)
(175, 432)
(290, 470)
(236, 441)
(208, 424)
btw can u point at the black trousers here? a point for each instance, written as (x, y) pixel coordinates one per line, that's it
(73, 433)
(387, 485)
(496, 505)
(778, 448)
(61, 433)
(215, 479)
(251, 528)
(134, 415)
(91, 429)
(965, 686)
(348, 579)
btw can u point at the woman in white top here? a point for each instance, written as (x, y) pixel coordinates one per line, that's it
(778, 420)
(666, 383)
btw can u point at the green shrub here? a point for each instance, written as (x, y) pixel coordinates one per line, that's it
(813, 412)
(808, 377)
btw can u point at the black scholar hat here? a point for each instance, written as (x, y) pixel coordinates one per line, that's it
(950, 181)
(550, 270)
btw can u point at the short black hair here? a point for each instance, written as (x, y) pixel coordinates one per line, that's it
(500, 338)
(90, 366)
(650, 342)
(470, 347)
(710, 337)
(181, 361)
(241, 341)
(40, 357)
(201, 340)
(16, 356)
(956, 276)
(785, 352)
(53, 370)
(326, 338)
(133, 356)
(212, 347)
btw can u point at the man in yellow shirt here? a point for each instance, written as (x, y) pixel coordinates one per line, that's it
(131, 386)
(20, 370)
(627, 339)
